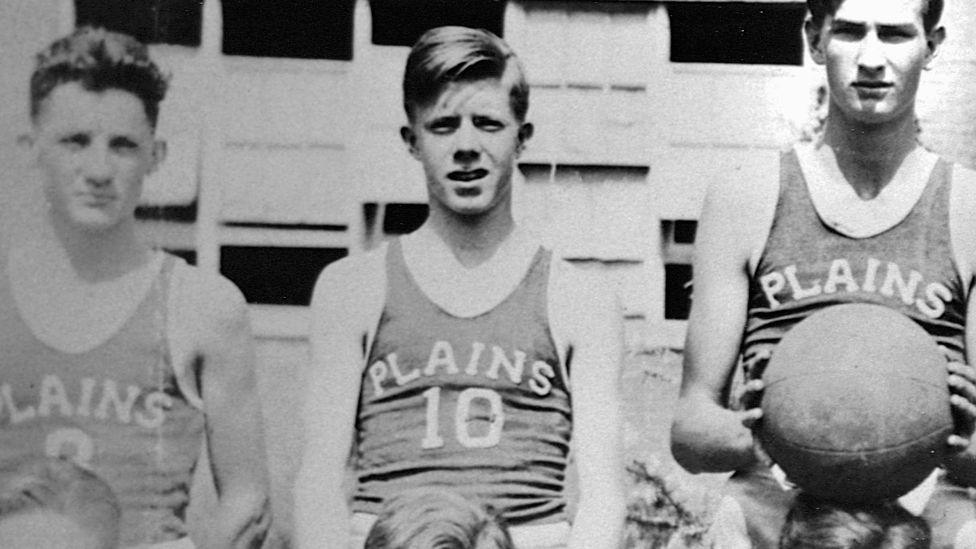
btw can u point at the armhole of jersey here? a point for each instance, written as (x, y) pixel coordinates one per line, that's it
(178, 340)
(962, 223)
(770, 195)
(557, 267)
(376, 266)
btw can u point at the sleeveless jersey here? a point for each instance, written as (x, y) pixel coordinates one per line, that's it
(480, 405)
(807, 266)
(116, 409)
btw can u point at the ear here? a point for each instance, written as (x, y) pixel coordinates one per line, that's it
(409, 138)
(27, 144)
(159, 151)
(815, 41)
(524, 134)
(934, 40)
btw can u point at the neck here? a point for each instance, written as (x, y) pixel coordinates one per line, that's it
(869, 155)
(97, 256)
(472, 239)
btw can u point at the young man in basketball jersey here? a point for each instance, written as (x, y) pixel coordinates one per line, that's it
(864, 214)
(113, 355)
(464, 355)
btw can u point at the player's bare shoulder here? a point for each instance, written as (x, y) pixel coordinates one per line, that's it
(738, 210)
(352, 283)
(205, 303)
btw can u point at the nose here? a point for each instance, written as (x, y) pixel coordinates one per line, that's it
(466, 144)
(98, 165)
(871, 56)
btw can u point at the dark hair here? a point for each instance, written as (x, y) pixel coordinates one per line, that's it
(444, 55)
(99, 60)
(816, 524)
(428, 518)
(61, 487)
(820, 9)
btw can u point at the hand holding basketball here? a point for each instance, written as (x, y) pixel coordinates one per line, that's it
(749, 400)
(962, 386)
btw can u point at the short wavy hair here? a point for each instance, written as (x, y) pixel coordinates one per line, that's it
(820, 9)
(813, 523)
(431, 518)
(449, 54)
(99, 60)
(59, 486)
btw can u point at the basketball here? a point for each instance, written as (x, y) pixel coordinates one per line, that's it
(856, 404)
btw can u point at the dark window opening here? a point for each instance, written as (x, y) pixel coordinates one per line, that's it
(683, 231)
(175, 22)
(289, 28)
(276, 276)
(404, 218)
(180, 213)
(190, 256)
(401, 22)
(736, 32)
(677, 291)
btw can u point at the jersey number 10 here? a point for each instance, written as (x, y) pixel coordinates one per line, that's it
(462, 415)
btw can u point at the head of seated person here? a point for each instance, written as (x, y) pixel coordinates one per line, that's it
(436, 519)
(813, 523)
(53, 503)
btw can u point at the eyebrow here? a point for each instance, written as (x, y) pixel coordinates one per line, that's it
(846, 23)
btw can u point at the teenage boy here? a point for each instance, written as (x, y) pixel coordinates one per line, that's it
(118, 357)
(864, 214)
(464, 355)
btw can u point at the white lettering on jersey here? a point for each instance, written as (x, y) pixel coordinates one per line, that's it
(499, 360)
(53, 397)
(840, 277)
(53, 394)
(441, 356)
(541, 374)
(16, 415)
(110, 396)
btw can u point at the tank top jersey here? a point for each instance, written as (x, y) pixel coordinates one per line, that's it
(116, 410)
(807, 266)
(480, 405)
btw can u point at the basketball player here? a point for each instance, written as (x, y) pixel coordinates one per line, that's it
(51, 503)
(864, 214)
(114, 355)
(426, 518)
(464, 355)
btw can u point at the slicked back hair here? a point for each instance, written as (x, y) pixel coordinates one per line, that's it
(444, 55)
(820, 9)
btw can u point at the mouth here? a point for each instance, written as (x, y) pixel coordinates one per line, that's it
(870, 85)
(467, 175)
(97, 199)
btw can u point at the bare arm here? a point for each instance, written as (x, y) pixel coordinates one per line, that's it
(705, 435)
(593, 322)
(234, 421)
(329, 411)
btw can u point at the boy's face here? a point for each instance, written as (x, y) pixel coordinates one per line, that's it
(51, 531)
(874, 52)
(468, 140)
(93, 149)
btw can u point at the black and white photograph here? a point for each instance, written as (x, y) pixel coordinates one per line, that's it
(487, 274)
